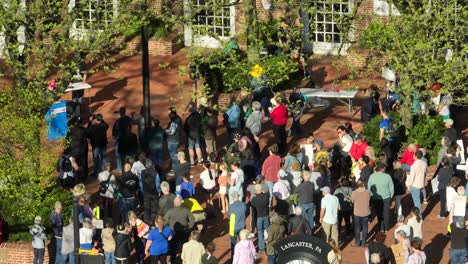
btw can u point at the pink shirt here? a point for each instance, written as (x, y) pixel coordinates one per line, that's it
(271, 167)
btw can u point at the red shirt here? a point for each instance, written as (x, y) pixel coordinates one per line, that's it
(408, 157)
(271, 167)
(279, 115)
(357, 151)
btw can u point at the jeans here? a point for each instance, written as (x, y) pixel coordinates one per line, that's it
(99, 159)
(360, 224)
(39, 255)
(127, 204)
(405, 167)
(398, 206)
(70, 257)
(270, 189)
(172, 147)
(271, 259)
(416, 195)
(262, 224)
(59, 259)
(110, 259)
(308, 212)
(234, 241)
(457, 256)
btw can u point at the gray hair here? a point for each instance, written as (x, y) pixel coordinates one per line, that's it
(402, 234)
(165, 186)
(306, 175)
(256, 105)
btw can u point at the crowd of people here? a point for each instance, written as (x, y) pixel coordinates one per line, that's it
(152, 212)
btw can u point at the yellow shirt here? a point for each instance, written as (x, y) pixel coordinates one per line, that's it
(192, 204)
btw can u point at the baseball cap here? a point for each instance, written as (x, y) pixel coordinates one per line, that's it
(325, 189)
(260, 177)
(319, 143)
(449, 121)
(358, 137)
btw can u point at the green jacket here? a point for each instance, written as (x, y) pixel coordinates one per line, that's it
(380, 185)
(276, 232)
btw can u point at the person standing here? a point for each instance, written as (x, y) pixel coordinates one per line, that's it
(193, 250)
(343, 193)
(458, 241)
(271, 167)
(123, 245)
(128, 185)
(192, 128)
(261, 204)
(358, 148)
(236, 216)
(173, 135)
(166, 201)
(244, 252)
(208, 257)
(294, 163)
(361, 201)
(305, 194)
(381, 186)
(444, 176)
(97, 134)
(417, 179)
(418, 256)
(120, 128)
(399, 179)
(276, 232)
(38, 240)
(329, 214)
(181, 221)
(387, 140)
(108, 241)
(366, 169)
(68, 243)
(344, 146)
(232, 119)
(79, 147)
(254, 121)
(236, 182)
(157, 245)
(151, 188)
(56, 221)
(152, 140)
(450, 132)
(279, 117)
(210, 132)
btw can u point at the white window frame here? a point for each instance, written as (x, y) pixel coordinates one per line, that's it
(80, 33)
(383, 8)
(325, 47)
(204, 40)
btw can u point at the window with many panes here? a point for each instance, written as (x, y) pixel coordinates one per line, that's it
(325, 26)
(94, 14)
(208, 21)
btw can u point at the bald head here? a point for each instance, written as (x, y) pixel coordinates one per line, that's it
(177, 201)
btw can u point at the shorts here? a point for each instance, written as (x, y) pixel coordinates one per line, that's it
(193, 143)
(222, 190)
(210, 191)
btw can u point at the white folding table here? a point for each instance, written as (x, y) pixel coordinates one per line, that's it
(344, 96)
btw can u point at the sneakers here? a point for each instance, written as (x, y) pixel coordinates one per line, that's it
(425, 201)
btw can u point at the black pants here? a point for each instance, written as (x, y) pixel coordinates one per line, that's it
(280, 137)
(443, 202)
(150, 205)
(347, 215)
(383, 213)
(160, 258)
(39, 255)
(179, 238)
(253, 218)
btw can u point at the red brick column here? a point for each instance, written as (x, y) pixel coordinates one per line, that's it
(19, 253)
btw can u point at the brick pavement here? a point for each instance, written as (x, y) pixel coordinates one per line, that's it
(123, 88)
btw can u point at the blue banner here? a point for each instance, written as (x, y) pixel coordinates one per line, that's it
(56, 121)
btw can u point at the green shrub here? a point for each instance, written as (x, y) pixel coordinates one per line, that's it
(427, 132)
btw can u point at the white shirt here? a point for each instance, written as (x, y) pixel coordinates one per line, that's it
(208, 183)
(137, 168)
(451, 195)
(348, 141)
(282, 189)
(86, 235)
(308, 152)
(459, 205)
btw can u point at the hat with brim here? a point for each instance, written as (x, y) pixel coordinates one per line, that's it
(79, 189)
(38, 220)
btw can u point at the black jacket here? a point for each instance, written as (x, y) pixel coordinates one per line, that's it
(78, 142)
(128, 184)
(192, 125)
(123, 245)
(121, 126)
(148, 176)
(97, 134)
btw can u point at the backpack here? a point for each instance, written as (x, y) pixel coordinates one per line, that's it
(103, 186)
(296, 165)
(66, 164)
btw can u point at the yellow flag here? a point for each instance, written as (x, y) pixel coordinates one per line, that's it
(232, 224)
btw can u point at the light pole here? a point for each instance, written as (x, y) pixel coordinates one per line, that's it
(145, 70)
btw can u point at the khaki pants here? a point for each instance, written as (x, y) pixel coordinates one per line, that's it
(331, 231)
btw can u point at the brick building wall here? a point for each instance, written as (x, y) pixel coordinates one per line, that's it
(20, 253)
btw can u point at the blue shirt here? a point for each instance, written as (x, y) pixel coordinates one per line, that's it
(385, 124)
(186, 190)
(159, 245)
(238, 208)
